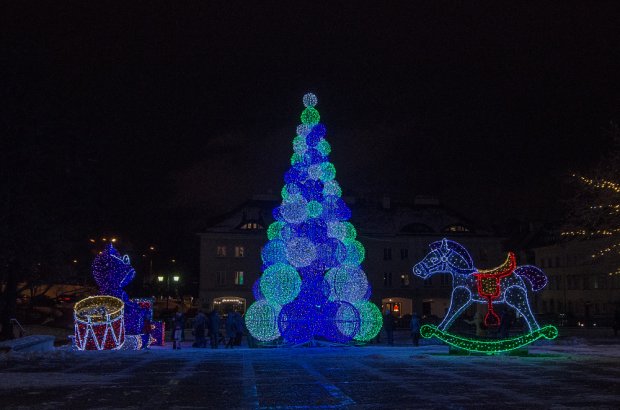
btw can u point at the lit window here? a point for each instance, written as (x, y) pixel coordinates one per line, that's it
(456, 228)
(239, 251)
(239, 277)
(220, 251)
(251, 226)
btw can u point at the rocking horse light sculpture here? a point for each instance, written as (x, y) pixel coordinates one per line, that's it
(504, 284)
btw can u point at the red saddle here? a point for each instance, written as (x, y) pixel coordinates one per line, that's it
(488, 282)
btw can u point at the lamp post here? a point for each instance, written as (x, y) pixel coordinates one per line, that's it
(175, 279)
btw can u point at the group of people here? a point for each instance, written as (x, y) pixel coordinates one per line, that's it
(388, 326)
(207, 327)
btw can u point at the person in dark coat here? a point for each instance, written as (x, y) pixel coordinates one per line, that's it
(200, 325)
(388, 325)
(214, 328)
(415, 329)
(231, 329)
(240, 329)
(177, 330)
(146, 332)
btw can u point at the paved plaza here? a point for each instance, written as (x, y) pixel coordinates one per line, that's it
(582, 376)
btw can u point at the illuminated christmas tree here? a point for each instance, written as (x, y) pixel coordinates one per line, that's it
(595, 209)
(312, 284)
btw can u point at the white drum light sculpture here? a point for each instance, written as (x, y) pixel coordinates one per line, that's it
(99, 323)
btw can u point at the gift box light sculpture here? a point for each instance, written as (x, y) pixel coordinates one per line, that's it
(99, 323)
(504, 284)
(312, 285)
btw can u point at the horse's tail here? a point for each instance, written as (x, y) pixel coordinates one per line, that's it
(534, 275)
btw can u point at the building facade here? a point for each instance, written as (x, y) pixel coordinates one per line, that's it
(582, 289)
(396, 236)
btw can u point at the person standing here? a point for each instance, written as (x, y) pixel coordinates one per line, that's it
(200, 323)
(231, 329)
(177, 331)
(240, 328)
(388, 325)
(214, 328)
(146, 332)
(415, 329)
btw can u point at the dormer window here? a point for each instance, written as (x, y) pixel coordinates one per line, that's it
(457, 229)
(251, 226)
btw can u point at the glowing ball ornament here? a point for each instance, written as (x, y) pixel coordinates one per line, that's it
(280, 284)
(340, 321)
(261, 320)
(347, 283)
(371, 321)
(310, 100)
(300, 252)
(312, 279)
(310, 116)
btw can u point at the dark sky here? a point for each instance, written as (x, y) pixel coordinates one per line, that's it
(177, 109)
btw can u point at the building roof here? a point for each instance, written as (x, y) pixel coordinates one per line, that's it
(369, 216)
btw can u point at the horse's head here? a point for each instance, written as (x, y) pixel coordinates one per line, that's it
(111, 271)
(446, 257)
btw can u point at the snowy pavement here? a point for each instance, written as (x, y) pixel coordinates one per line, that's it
(554, 376)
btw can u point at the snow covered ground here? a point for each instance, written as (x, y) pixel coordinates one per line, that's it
(552, 376)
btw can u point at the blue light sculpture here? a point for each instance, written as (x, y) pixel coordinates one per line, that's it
(312, 284)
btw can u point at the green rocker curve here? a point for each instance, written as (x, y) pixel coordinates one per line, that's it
(489, 346)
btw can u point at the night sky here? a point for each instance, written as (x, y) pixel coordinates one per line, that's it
(145, 121)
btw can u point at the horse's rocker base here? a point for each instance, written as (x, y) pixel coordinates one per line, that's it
(489, 346)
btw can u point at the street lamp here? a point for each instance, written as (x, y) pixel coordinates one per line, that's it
(175, 278)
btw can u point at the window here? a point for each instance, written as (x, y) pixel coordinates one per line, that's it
(251, 226)
(387, 254)
(557, 261)
(444, 280)
(404, 253)
(239, 277)
(221, 278)
(542, 263)
(456, 228)
(428, 282)
(404, 279)
(239, 251)
(550, 263)
(387, 279)
(221, 251)
(586, 282)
